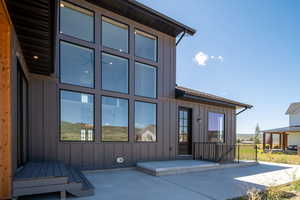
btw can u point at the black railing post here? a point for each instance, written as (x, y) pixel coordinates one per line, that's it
(238, 153)
(256, 153)
(216, 152)
(194, 151)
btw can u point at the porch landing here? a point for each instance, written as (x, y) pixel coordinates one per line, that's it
(161, 168)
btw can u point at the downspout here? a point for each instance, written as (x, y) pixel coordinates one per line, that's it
(184, 32)
(241, 111)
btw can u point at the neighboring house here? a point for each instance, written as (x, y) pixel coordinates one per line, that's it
(285, 136)
(90, 82)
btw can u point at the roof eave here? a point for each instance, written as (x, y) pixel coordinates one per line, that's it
(185, 28)
(184, 95)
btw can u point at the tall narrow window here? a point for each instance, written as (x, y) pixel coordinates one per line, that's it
(76, 21)
(145, 45)
(145, 80)
(216, 129)
(76, 65)
(76, 116)
(145, 122)
(114, 35)
(114, 73)
(114, 119)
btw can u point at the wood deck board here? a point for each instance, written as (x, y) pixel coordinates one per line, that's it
(50, 170)
(42, 177)
(56, 170)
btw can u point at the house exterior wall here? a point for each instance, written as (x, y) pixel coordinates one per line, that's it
(294, 119)
(44, 142)
(294, 139)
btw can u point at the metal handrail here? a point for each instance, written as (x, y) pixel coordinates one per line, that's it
(220, 152)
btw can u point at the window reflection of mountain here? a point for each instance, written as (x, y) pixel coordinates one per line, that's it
(147, 134)
(77, 131)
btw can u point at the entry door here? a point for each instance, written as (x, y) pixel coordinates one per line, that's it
(185, 131)
(22, 114)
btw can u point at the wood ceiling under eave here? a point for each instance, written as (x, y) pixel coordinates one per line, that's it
(33, 22)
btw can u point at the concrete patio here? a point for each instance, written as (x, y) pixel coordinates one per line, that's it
(217, 184)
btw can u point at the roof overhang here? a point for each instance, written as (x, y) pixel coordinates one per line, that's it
(196, 96)
(138, 12)
(289, 129)
(34, 24)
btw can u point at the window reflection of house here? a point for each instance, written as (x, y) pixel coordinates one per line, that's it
(147, 134)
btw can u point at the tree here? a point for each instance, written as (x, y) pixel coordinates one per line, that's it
(257, 134)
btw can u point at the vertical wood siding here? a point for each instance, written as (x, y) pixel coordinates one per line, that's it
(44, 102)
(5, 103)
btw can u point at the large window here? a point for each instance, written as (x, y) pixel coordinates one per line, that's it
(76, 65)
(98, 61)
(114, 73)
(114, 119)
(145, 80)
(76, 116)
(76, 21)
(114, 35)
(145, 122)
(216, 129)
(145, 45)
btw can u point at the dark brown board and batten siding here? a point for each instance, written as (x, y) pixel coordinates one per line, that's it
(44, 107)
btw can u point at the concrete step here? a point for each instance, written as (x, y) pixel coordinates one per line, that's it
(86, 189)
(184, 157)
(160, 168)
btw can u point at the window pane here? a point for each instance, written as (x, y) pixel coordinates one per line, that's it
(76, 65)
(145, 122)
(114, 73)
(145, 45)
(145, 80)
(76, 21)
(76, 116)
(114, 35)
(114, 119)
(216, 127)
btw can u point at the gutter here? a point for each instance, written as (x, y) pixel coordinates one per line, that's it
(183, 95)
(242, 111)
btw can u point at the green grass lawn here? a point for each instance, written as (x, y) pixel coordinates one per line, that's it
(279, 158)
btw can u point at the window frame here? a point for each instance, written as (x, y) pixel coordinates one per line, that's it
(59, 117)
(71, 36)
(59, 63)
(189, 121)
(128, 119)
(224, 126)
(128, 34)
(134, 120)
(97, 48)
(101, 73)
(156, 80)
(156, 44)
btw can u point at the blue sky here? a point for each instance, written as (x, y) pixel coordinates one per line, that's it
(259, 45)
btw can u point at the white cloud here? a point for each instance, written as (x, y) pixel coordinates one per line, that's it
(221, 58)
(201, 58)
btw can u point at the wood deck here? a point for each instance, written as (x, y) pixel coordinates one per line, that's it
(46, 177)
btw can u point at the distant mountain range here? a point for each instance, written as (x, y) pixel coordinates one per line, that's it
(246, 137)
